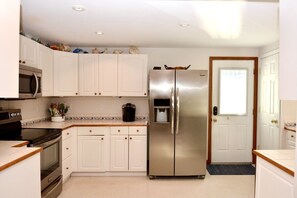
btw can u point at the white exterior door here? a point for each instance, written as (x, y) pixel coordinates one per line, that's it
(232, 127)
(119, 153)
(269, 103)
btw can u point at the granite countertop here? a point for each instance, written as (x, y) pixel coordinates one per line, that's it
(71, 123)
(283, 159)
(12, 152)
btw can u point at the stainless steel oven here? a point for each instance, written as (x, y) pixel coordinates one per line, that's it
(51, 165)
(51, 142)
(29, 82)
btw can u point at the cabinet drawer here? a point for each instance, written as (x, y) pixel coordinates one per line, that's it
(66, 134)
(119, 130)
(92, 131)
(291, 145)
(137, 130)
(66, 168)
(291, 136)
(66, 148)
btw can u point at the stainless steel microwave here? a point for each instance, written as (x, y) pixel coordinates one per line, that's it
(29, 82)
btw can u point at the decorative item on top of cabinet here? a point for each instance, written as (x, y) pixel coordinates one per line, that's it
(134, 50)
(58, 111)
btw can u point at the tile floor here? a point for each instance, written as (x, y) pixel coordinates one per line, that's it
(213, 186)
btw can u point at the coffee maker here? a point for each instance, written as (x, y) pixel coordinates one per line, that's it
(128, 112)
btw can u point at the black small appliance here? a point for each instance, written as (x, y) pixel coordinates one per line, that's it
(129, 112)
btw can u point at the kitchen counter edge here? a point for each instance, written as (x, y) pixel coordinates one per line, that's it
(13, 152)
(264, 154)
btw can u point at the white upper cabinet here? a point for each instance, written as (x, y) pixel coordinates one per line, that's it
(288, 43)
(65, 74)
(29, 52)
(108, 74)
(132, 75)
(46, 63)
(9, 67)
(88, 74)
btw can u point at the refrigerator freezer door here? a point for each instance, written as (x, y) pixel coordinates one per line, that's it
(192, 103)
(161, 132)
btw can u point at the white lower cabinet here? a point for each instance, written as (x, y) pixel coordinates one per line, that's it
(272, 182)
(93, 149)
(128, 150)
(69, 139)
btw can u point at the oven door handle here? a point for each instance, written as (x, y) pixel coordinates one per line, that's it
(49, 143)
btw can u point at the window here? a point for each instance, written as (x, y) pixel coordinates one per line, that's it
(233, 91)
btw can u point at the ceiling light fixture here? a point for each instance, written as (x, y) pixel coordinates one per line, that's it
(99, 33)
(184, 25)
(78, 8)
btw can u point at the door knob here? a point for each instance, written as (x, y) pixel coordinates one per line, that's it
(274, 121)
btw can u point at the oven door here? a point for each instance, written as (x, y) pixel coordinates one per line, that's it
(50, 161)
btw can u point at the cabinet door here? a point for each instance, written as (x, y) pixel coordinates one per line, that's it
(9, 67)
(132, 72)
(65, 74)
(28, 52)
(119, 153)
(88, 74)
(108, 74)
(92, 154)
(137, 153)
(46, 63)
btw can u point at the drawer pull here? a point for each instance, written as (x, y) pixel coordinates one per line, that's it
(130, 138)
(90, 131)
(67, 168)
(102, 138)
(119, 130)
(292, 136)
(126, 138)
(24, 62)
(67, 133)
(137, 130)
(67, 148)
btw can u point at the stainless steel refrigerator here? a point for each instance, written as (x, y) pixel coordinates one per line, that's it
(178, 102)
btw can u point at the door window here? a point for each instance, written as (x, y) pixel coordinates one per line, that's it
(233, 91)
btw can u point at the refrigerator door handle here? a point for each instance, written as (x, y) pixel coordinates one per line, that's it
(172, 111)
(177, 110)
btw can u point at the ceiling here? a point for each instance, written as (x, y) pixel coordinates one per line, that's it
(155, 23)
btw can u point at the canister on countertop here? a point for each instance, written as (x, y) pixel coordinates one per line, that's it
(128, 112)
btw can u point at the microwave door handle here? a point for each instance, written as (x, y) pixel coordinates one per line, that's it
(37, 85)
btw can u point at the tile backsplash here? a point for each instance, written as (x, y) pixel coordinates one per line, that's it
(79, 106)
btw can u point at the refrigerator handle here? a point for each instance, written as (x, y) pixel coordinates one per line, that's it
(177, 109)
(172, 111)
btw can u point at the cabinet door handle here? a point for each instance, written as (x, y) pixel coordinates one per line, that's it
(67, 133)
(99, 93)
(126, 138)
(130, 138)
(292, 136)
(67, 148)
(67, 168)
(144, 94)
(137, 130)
(95, 94)
(119, 131)
(76, 93)
(20, 61)
(90, 131)
(102, 138)
(24, 62)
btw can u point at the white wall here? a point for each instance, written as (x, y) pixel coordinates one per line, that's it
(289, 110)
(198, 58)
